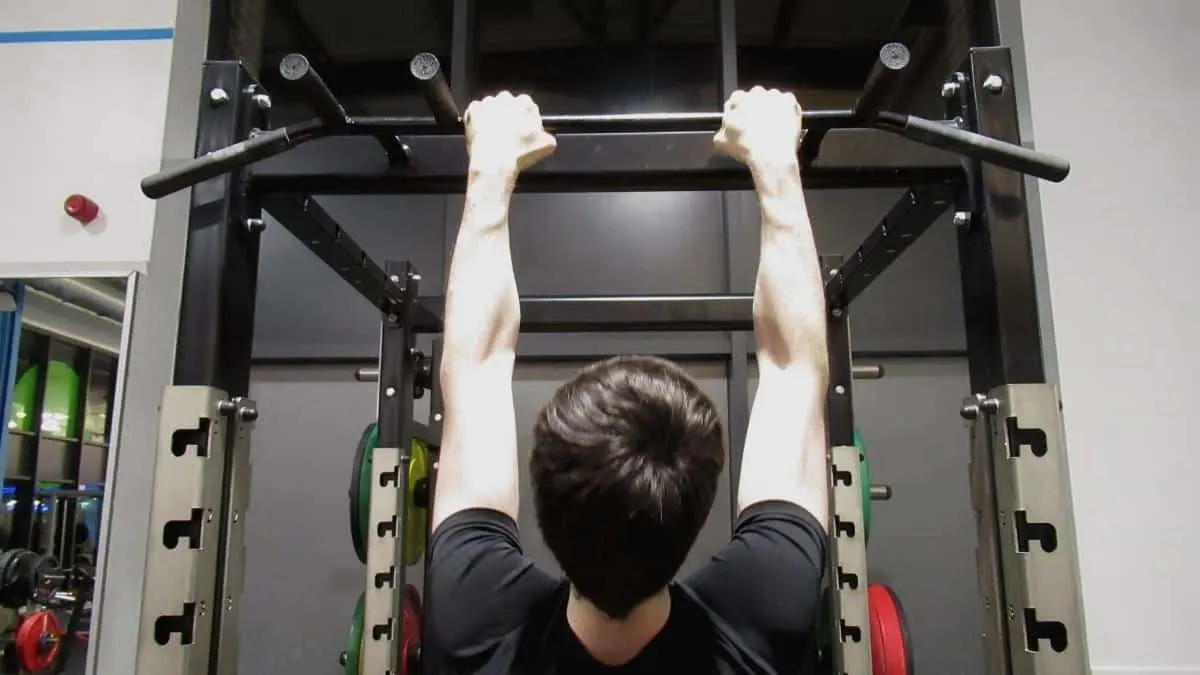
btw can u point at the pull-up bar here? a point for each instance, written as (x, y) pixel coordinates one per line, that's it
(427, 72)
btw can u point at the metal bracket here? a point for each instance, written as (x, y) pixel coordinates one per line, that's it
(181, 563)
(851, 628)
(244, 413)
(1017, 429)
(384, 590)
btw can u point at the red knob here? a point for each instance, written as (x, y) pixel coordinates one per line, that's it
(81, 208)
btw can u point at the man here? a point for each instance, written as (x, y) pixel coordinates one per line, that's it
(628, 454)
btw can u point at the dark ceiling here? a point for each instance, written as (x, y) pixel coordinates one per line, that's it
(609, 55)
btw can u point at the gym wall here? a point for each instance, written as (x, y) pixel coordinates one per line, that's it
(1112, 86)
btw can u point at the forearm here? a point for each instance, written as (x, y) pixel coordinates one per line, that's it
(478, 462)
(784, 456)
(789, 297)
(483, 311)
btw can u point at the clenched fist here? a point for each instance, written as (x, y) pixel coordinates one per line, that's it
(760, 126)
(505, 131)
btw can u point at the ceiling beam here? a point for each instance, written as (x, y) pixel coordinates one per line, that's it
(592, 70)
(305, 39)
(785, 18)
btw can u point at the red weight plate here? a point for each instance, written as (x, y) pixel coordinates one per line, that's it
(410, 641)
(38, 640)
(890, 653)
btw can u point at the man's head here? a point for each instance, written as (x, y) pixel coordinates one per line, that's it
(625, 465)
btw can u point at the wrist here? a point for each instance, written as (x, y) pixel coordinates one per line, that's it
(776, 176)
(491, 179)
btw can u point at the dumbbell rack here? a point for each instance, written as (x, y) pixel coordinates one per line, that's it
(192, 579)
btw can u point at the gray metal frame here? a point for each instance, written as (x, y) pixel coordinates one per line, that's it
(1028, 564)
(201, 430)
(850, 616)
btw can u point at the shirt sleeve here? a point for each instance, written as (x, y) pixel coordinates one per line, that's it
(765, 585)
(480, 586)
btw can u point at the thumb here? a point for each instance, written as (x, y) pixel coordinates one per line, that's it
(721, 139)
(543, 147)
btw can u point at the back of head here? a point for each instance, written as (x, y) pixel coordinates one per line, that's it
(625, 465)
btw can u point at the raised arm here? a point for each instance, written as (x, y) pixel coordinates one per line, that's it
(785, 453)
(478, 461)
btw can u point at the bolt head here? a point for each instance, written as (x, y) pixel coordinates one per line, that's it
(262, 101)
(993, 84)
(395, 278)
(255, 225)
(949, 89)
(962, 218)
(247, 414)
(990, 405)
(389, 392)
(839, 389)
(218, 96)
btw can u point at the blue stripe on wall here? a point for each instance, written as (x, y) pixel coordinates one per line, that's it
(111, 35)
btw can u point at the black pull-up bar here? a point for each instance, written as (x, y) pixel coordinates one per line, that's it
(299, 75)
(427, 72)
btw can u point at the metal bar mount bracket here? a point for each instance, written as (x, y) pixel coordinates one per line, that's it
(201, 429)
(385, 572)
(847, 573)
(1037, 621)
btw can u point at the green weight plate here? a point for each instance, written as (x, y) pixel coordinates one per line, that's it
(416, 512)
(360, 491)
(864, 479)
(352, 663)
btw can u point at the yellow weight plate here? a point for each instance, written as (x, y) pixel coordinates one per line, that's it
(416, 513)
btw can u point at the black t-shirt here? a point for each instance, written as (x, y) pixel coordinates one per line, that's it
(751, 609)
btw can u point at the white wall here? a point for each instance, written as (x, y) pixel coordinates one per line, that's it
(1113, 87)
(84, 113)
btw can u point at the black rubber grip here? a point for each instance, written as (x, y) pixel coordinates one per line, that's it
(215, 163)
(976, 146)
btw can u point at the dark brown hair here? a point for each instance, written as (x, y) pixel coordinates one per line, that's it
(625, 465)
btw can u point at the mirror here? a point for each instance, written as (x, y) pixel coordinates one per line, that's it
(60, 343)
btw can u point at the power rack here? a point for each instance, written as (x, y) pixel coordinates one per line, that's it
(1027, 558)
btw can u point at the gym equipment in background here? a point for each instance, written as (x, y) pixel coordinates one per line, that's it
(60, 401)
(416, 511)
(38, 641)
(891, 652)
(864, 478)
(351, 659)
(410, 641)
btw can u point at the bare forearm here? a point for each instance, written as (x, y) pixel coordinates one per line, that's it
(479, 445)
(789, 298)
(483, 312)
(784, 457)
